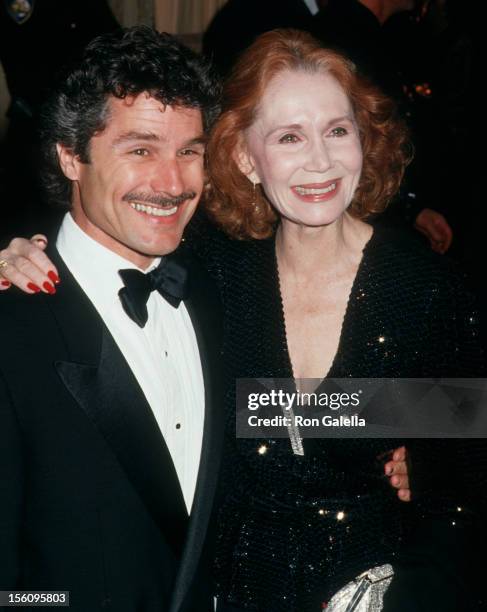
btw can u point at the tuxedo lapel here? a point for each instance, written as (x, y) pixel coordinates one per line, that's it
(204, 308)
(100, 380)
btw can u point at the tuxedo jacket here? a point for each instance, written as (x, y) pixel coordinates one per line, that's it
(89, 497)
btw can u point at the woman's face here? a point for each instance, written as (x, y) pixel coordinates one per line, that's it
(304, 148)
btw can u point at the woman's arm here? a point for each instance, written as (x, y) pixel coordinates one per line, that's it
(24, 264)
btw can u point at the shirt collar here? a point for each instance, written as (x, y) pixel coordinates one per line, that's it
(312, 5)
(93, 265)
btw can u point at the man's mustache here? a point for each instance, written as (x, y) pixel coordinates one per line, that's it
(158, 199)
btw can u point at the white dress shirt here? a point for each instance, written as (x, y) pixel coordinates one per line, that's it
(313, 7)
(163, 356)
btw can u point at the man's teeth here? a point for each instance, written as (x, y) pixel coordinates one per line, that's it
(156, 212)
(305, 191)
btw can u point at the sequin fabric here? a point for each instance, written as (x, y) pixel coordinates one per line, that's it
(365, 593)
(295, 529)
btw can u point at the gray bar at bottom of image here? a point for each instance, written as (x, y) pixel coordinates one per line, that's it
(38, 599)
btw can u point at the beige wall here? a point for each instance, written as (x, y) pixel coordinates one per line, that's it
(185, 16)
(133, 12)
(174, 16)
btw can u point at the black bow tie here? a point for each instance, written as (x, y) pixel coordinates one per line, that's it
(170, 279)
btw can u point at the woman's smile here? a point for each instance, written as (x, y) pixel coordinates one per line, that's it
(317, 192)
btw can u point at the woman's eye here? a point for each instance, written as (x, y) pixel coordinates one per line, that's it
(288, 138)
(339, 131)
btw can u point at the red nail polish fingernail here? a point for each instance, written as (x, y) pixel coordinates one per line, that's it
(33, 287)
(49, 288)
(54, 277)
(6, 283)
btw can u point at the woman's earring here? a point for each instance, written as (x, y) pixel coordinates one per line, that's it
(255, 206)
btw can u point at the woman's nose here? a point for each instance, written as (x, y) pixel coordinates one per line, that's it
(319, 159)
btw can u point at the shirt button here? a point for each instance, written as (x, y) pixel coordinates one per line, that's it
(178, 425)
(165, 353)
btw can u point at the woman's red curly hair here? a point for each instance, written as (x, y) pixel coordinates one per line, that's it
(231, 201)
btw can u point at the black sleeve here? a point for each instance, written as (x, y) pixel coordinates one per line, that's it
(438, 567)
(11, 492)
(457, 468)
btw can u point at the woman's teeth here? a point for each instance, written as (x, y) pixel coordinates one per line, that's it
(313, 191)
(156, 212)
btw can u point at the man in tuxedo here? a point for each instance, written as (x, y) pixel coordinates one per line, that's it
(109, 401)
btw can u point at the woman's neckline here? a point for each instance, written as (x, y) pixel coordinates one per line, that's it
(348, 314)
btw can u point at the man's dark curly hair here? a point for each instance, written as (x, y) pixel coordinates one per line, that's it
(125, 63)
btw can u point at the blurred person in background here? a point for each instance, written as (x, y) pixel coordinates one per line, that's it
(37, 38)
(361, 30)
(238, 23)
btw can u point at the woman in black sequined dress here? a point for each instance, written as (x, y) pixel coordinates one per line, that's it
(303, 153)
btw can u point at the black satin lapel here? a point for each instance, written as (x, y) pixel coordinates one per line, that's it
(113, 400)
(79, 322)
(204, 308)
(100, 380)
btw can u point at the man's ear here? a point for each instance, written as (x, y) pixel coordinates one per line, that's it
(69, 162)
(245, 164)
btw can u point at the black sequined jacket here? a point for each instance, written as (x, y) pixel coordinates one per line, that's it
(294, 529)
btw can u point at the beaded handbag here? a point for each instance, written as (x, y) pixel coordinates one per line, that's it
(363, 594)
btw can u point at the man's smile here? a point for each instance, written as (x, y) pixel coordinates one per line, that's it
(156, 211)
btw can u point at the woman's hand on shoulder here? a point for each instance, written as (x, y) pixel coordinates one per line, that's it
(24, 264)
(397, 472)
(436, 228)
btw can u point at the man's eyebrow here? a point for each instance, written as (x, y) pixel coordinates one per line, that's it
(199, 140)
(134, 135)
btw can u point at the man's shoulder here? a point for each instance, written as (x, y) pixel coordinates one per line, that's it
(29, 335)
(17, 305)
(28, 319)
